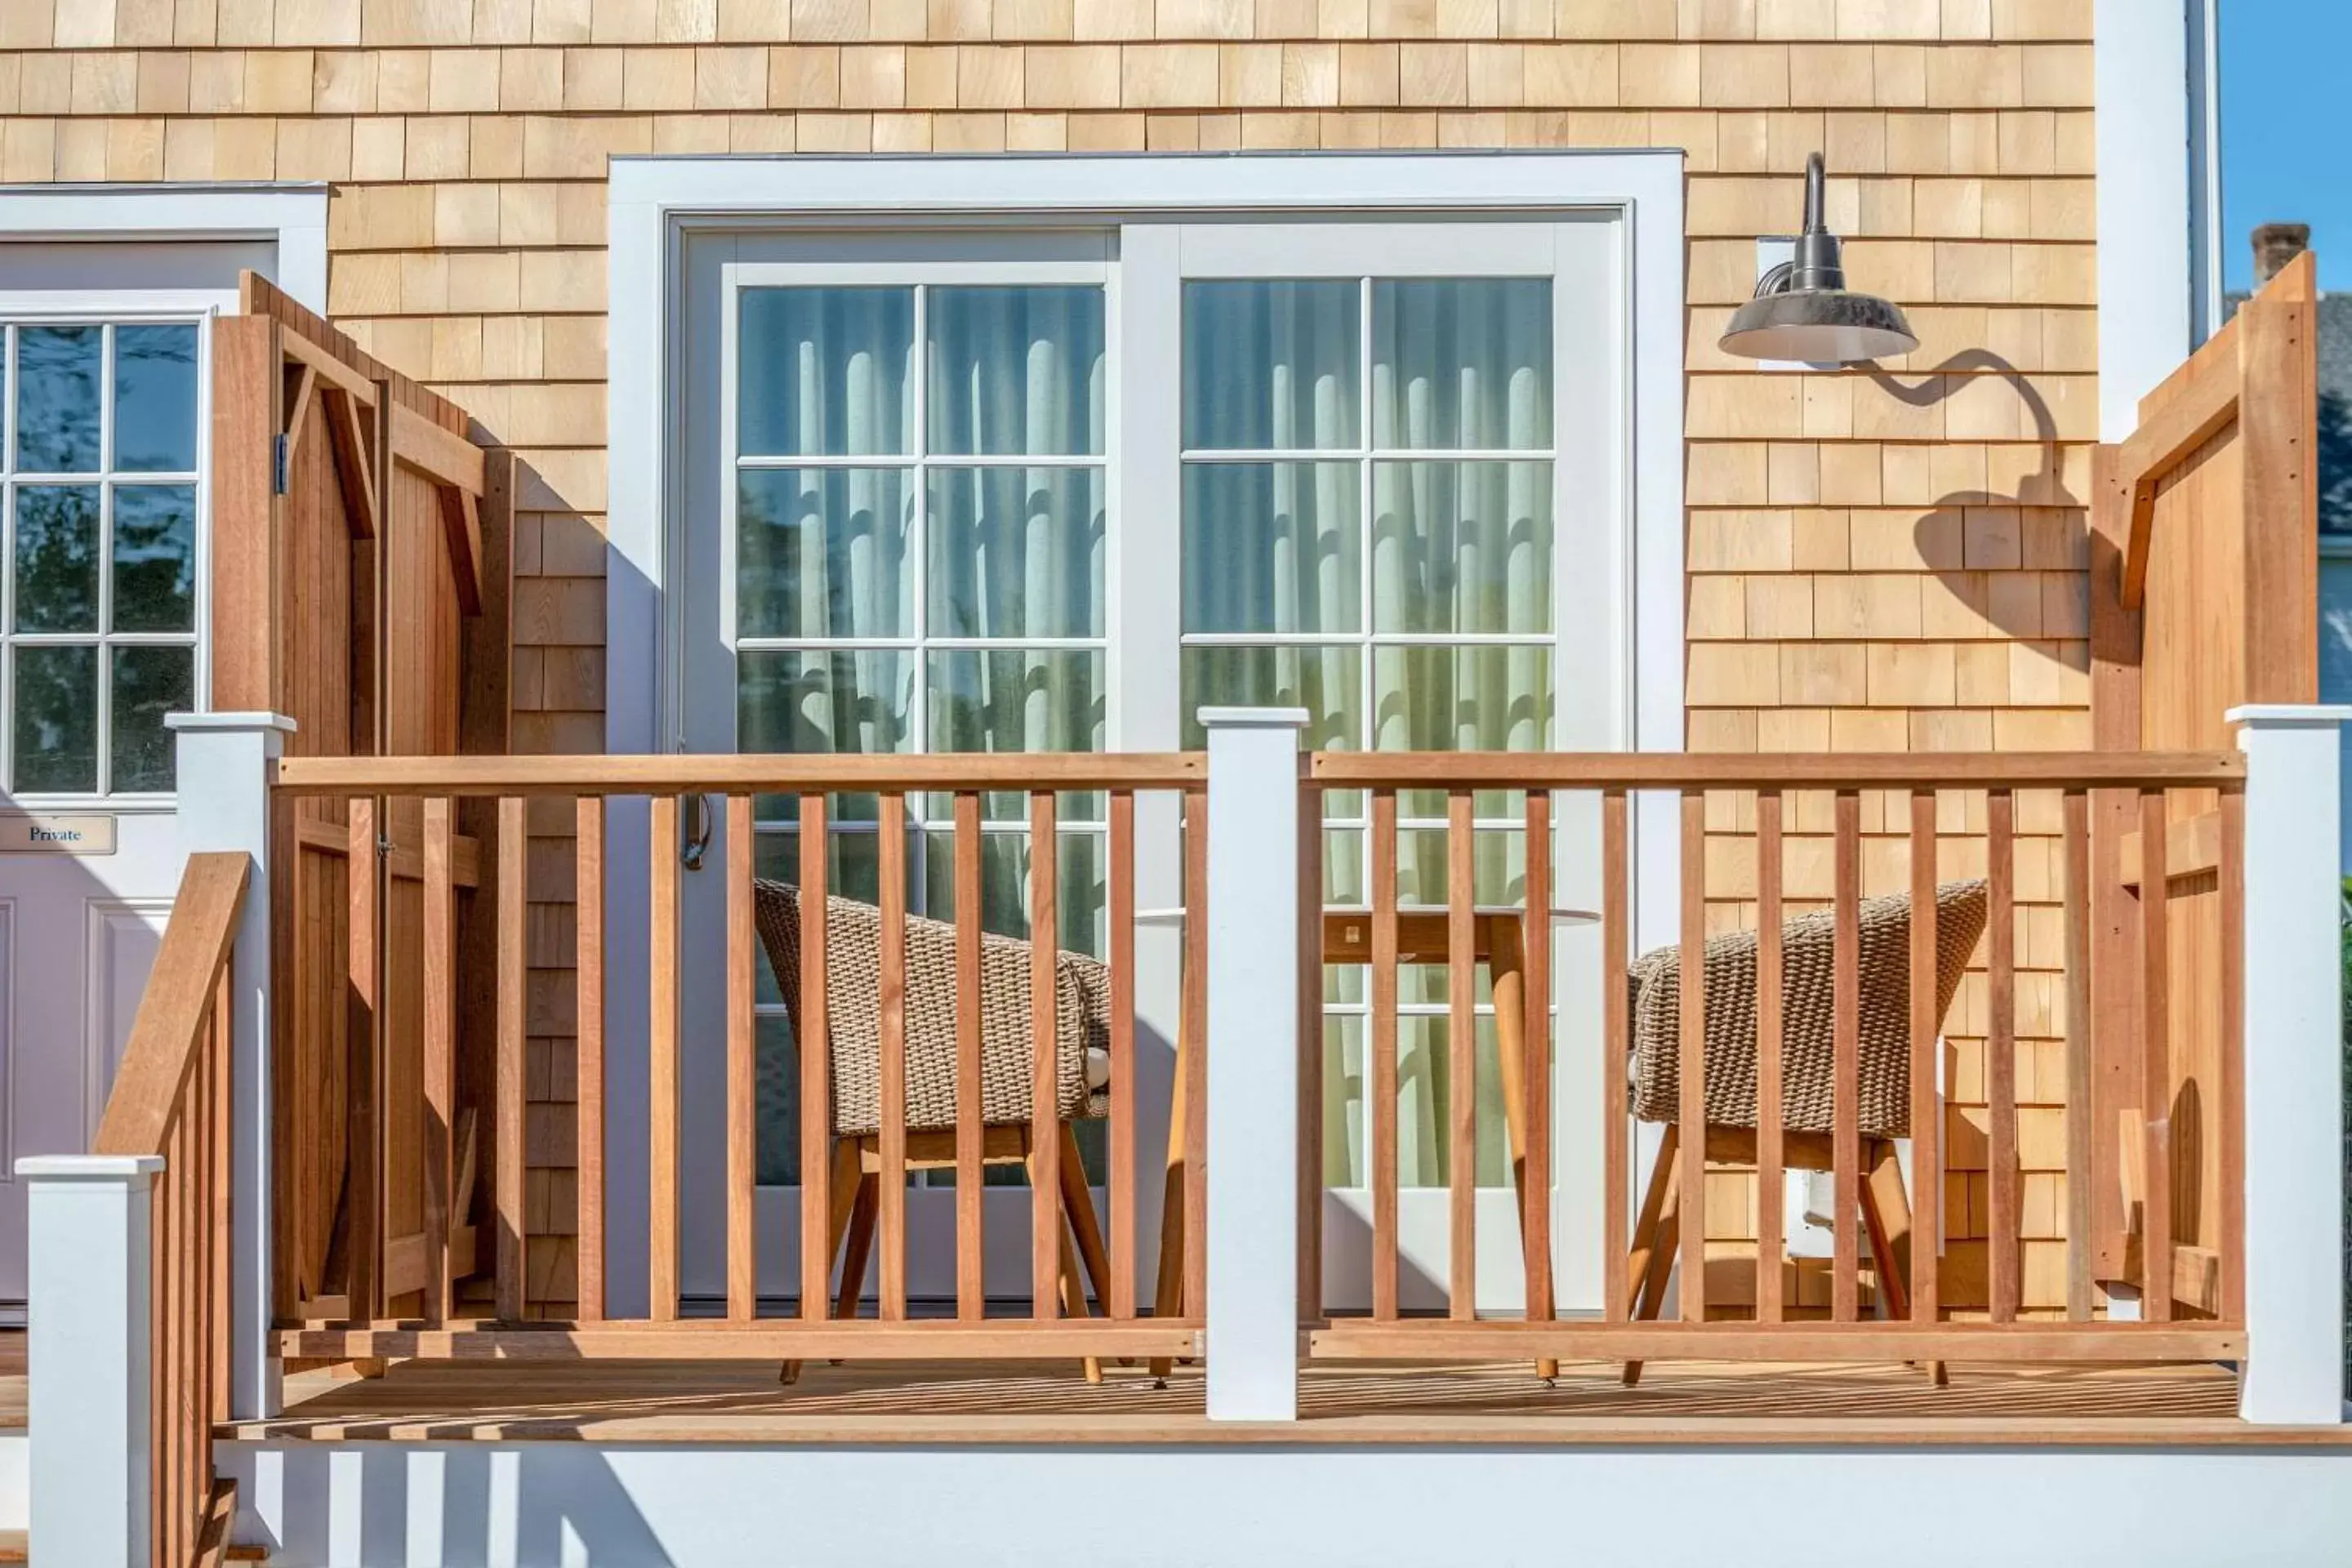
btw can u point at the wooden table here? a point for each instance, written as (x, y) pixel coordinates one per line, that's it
(1498, 941)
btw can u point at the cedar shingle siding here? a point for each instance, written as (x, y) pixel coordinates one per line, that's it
(1875, 563)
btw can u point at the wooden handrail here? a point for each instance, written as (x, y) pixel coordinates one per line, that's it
(784, 774)
(1809, 770)
(169, 1026)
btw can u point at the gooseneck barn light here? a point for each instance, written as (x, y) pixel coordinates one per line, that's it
(1802, 310)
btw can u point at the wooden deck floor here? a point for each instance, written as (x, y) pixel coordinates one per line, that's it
(912, 1402)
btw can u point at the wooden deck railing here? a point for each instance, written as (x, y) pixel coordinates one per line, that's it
(1058, 1320)
(1928, 819)
(170, 1098)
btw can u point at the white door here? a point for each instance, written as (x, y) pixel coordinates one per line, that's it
(1372, 469)
(879, 559)
(101, 606)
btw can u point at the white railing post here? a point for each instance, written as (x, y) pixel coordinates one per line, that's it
(1252, 1321)
(88, 1355)
(224, 805)
(2294, 1065)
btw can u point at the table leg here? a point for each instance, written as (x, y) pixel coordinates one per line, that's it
(1506, 970)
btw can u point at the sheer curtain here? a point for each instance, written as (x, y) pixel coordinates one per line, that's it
(947, 550)
(1340, 568)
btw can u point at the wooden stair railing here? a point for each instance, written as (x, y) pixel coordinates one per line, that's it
(171, 1100)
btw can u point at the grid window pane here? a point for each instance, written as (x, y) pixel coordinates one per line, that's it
(155, 399)
(148, 682)
(57, 558)
(1273, 547)
(822, 552)
(1017, 551)
(1462, 547)
(1272, 365)
(56, 724)
(1017, 370)
(57, 375)
(826, 372)
(1325, 681)
(154, 558)
(1461, 363)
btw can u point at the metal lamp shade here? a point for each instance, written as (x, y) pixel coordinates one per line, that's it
(1819, 326)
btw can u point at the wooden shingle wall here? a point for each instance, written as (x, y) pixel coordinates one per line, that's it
(1875, 563)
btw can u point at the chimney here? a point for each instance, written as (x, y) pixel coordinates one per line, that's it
(2275, 245)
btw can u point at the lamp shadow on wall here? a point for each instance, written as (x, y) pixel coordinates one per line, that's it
(2043, 489)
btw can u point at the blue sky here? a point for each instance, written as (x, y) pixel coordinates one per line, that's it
(2287, 127)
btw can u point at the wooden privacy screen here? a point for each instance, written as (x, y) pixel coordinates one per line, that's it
(359, 572)
(2204, 595)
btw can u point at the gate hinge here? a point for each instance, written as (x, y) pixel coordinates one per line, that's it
(279, 454)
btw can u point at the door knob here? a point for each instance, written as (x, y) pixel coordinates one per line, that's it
(698, 817)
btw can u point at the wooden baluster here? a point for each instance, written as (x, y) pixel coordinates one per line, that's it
(438, 1067)
(363, 1099)
(1691, 1065)
(2232, 1218)
(743, 1067)
(2080, 1054)
(1772, 1119)
(1044, 1064)
(892, 1180)
(170, 1326)
(1616, 1055)
(2000, 1047)
(1310, 1053)
(662, 1079)
(224, 1028)
(1196, 1068)
(1845, 1155)
(1384, 1054)
(588, 978)
(1926, 1111)
(1121, 898)
(971, 1303)
(513, 896)
(2155, 1058)
(815, 1044)
(1535, 1065)
(1461, 1060)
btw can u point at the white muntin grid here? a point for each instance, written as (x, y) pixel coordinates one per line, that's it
(1347, 1002)
(107, 479)
(917, 462)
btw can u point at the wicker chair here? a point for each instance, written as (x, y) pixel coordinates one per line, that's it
(1807, 1078)
(853, 1030)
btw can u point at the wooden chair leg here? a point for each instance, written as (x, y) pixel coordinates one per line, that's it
(1887, 1217)
(1079, 1203)
(863, 1215)
(1073, 1293)
(842, 1194)
(1167, 1295)
(1656, 1235)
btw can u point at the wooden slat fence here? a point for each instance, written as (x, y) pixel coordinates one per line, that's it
(170, 1098)
(1059, 1319)
(1941, 817)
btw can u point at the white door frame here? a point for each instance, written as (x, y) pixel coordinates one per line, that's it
(656, 202)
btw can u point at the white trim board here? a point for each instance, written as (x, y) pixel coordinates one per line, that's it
(291, 216)
(2149, 228)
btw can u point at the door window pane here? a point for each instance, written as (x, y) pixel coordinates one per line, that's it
(1461, 363)
(148, 682)
(1273, 547)
(826, 372)
(56, 728)
(155, 399)
(1017, 551)
(1327, 681)
(822, 552)
(1272, 364)
(1462, 547)
(154, 558)
(57, 558)
(1017, 370)
(57, 399)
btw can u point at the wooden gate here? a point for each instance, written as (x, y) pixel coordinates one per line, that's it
(360, 587)
(2204, 595)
